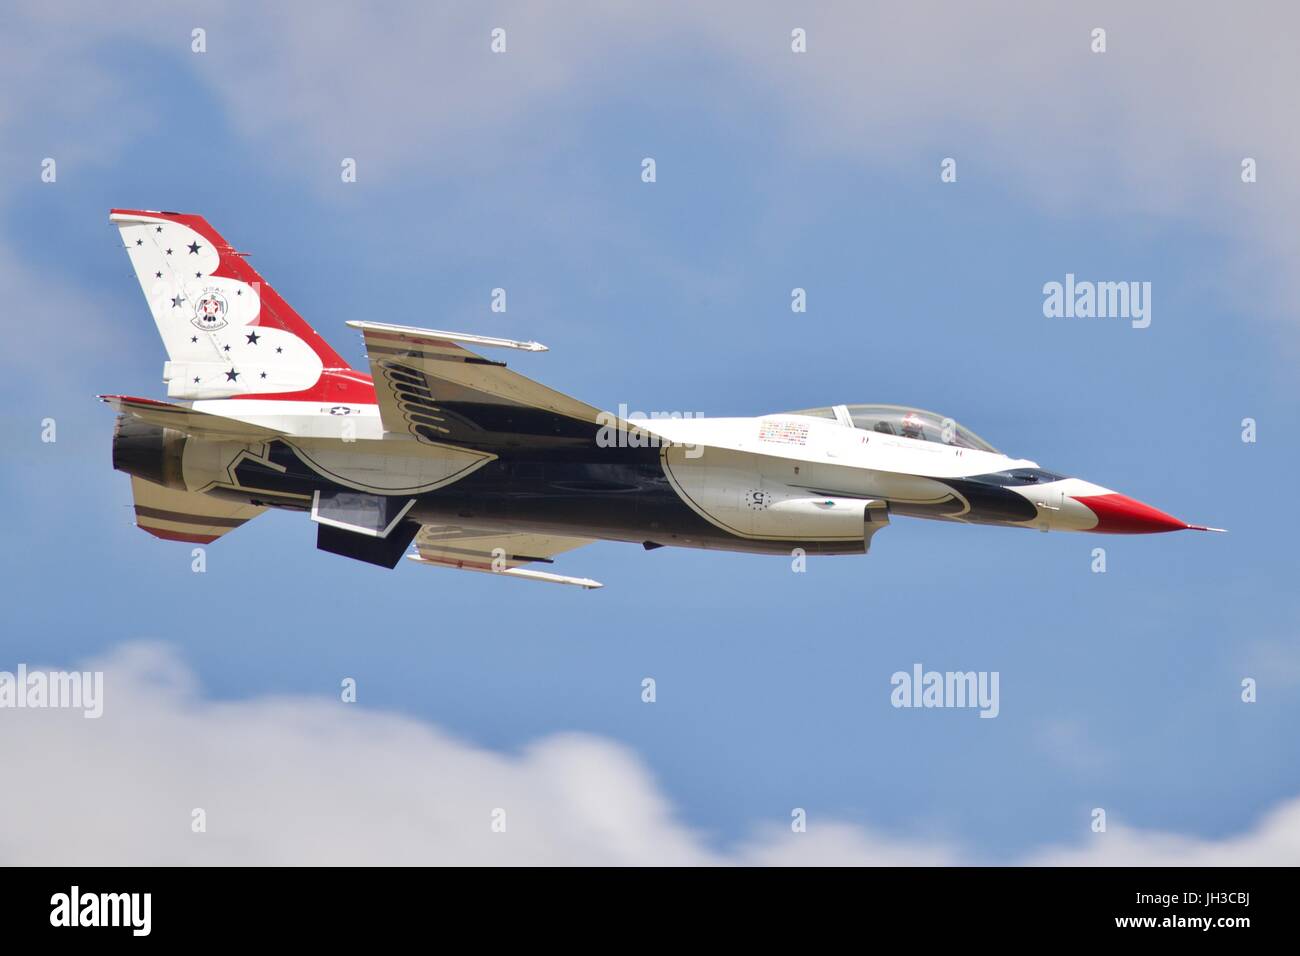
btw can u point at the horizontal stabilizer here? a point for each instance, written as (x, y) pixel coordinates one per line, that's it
(185, 419)
(186, 515)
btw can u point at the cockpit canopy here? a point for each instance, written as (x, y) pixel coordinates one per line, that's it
(905, 422)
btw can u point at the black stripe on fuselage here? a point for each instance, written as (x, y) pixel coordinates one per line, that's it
(626, 496)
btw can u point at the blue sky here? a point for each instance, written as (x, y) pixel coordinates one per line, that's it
(1118, 690)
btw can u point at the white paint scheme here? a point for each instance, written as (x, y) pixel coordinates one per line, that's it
(832, 443)
(302, 419)
(1057, 508)
(718, 464)
(174, 284)
(735, 492)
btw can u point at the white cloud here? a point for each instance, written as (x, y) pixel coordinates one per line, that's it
(295, 780)
(1273, 841)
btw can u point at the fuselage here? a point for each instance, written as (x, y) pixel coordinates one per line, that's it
(765, 484)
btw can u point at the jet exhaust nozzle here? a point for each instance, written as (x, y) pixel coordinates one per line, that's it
(149, 451)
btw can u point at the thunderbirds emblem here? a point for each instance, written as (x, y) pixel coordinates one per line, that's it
(210, 312)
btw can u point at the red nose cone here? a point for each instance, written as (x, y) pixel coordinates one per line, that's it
(1120, 514)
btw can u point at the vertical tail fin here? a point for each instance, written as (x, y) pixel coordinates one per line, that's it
(227, 332)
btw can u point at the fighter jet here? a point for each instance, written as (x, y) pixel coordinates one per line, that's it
(482, 469)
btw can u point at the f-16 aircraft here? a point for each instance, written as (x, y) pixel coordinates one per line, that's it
(486, 470)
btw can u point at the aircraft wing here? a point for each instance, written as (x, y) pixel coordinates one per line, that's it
(495, 552)
(185, 419)
(430, 385)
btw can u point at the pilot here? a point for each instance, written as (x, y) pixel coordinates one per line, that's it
(913, 426)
